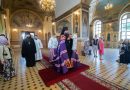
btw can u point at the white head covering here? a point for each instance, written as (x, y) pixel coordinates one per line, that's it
(3, 40)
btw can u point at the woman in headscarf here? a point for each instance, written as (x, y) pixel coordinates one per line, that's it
(6, 58)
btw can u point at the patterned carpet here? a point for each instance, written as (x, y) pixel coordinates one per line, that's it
(107, 72)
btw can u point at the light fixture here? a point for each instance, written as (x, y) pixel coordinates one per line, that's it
(108, 6)
(15, 30)
(29, 25)
(53, 23)
(39, 31)
(110, 24)
(47, 5)
(4, 16)
(76, 12)
(29, 21)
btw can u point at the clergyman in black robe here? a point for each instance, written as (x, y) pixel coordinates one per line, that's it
(69, 44)
(29, 50)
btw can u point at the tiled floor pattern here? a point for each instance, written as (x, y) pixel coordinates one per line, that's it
(108, 70)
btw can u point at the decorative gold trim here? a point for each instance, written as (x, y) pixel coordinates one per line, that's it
(109, 21)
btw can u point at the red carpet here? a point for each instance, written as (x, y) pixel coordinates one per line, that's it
(45, 58)
(85, 83)
(50, 76)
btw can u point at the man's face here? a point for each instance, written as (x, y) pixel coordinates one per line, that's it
(66, 31)
(70, 35)
(36, 37)
(28, 35)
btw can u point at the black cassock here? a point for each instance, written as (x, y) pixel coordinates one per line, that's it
(125, 54)
(69, 44)
(28, 51)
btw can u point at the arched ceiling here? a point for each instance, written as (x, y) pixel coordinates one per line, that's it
(97, 9)
(23, 17)
(32, 5)
(117, 6)
(18, 4)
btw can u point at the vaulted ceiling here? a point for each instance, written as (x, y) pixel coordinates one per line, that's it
(14, 5)
(97, 9)
(33, 5)
(117, 6)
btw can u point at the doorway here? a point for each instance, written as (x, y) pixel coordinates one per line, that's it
(23, 34)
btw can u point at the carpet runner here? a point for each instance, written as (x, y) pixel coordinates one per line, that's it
(50, 76)
(70, 79)
(85, 83)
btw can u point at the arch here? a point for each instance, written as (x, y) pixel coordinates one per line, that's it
(94, 19)
(20, 17)
(123, 9)
(25, 11)
(92, 8)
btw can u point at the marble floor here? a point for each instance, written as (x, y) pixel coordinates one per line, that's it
(108, 70)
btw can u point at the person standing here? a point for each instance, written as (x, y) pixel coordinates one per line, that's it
(64, 60)
(29, 50)
(6, 61)
(52, 45)
(95, 45)
(101, 47)
(74, 37)
(39, 46)
(69, 44)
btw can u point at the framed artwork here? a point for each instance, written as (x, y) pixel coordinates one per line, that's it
(76, 23)
(61, 24)
(85, 25)
(108, 37)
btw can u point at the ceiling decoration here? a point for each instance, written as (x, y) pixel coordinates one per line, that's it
(117, 4)
(25, 19)
(108, 6)
(47, 5)
(32, 5)
(97, 9)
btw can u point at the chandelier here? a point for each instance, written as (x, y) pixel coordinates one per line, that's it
(29, 21)
(29, 25)
(47, 5)
(108, 6)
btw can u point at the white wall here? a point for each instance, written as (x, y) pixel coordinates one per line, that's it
(63, 6)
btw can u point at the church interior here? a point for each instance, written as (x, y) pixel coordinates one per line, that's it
(109, 19)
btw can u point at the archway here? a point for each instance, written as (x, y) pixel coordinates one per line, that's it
(22, 21)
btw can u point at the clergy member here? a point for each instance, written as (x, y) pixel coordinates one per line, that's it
(52, 46)
(29, 50)
(39, 46)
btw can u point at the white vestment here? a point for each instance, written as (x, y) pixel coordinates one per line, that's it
(39, 46)
(74, 47)
(52, 44)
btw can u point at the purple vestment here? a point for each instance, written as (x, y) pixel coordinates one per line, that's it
(62, 61)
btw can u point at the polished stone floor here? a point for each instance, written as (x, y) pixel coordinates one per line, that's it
(107, 69)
